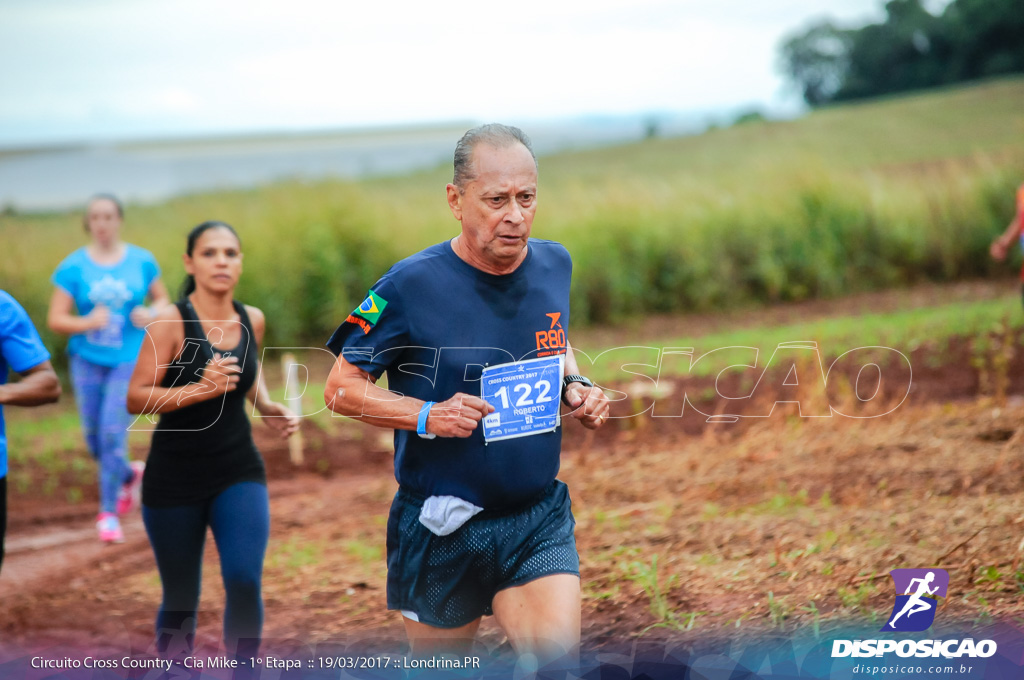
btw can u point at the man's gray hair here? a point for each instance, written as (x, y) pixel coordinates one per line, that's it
(495, 134)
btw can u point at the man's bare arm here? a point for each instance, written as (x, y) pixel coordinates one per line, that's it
(352, 392)
(38, 385)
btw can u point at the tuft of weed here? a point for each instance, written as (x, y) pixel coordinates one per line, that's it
(646, 575)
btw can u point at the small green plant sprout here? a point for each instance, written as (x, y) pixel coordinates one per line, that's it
(777, 611)
(647, 577)
(812, 609)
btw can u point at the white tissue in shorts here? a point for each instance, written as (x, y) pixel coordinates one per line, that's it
(444, 514)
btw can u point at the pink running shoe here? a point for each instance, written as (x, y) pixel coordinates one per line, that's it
(109, 528)
(130, 496)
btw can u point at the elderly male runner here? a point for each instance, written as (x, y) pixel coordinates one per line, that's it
(477, 527)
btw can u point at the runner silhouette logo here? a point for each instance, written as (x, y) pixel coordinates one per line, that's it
(917, 593)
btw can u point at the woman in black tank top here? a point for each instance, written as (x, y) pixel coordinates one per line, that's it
(196, 368)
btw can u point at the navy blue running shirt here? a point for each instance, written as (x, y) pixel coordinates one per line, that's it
(432, 322)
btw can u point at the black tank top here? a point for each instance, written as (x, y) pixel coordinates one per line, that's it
(201, 449)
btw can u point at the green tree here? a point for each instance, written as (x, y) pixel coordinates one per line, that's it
(894, 56)
(911, 49)
(817, 60)
(987, 38)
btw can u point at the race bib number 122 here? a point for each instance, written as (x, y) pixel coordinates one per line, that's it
(525, 396)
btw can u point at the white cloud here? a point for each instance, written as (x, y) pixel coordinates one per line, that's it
(272, 64)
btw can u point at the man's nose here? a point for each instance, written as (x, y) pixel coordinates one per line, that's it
(514, 214)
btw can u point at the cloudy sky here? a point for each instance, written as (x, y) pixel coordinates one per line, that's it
(99, 69)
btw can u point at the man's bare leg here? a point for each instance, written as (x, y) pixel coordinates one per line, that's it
(428, 640)
(542, 617)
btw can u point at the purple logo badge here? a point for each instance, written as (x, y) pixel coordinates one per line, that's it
(917, 593)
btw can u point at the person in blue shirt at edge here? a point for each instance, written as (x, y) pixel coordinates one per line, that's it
(477, 527)
(98, 299)
(22, 351)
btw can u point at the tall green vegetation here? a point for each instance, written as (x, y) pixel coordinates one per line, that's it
(847, 199)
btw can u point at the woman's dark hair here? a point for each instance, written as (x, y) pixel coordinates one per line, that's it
(189, 285)
(101, 197)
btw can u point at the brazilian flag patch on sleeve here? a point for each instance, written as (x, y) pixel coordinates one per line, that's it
(371, 308)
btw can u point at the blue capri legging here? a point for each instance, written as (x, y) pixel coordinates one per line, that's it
(240, 519)
(101, 393)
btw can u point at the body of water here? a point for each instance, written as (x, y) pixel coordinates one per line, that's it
(63, 178)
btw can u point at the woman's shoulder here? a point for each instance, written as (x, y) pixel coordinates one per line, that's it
(169, 312)
(167, 325)
(168, 319)
(256, 318)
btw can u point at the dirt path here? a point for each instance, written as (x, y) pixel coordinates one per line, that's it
(38, 556)
(657, 327)
(808, 512)
(681, 525)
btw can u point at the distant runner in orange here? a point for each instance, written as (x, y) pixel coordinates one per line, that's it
(1001, 245)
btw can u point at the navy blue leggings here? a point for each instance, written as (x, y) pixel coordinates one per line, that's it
(240, 519)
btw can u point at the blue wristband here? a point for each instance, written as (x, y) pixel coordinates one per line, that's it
(421, 424)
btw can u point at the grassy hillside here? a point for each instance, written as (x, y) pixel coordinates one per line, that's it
(850, 198)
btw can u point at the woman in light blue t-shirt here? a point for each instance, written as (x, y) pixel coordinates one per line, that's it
(99, 300)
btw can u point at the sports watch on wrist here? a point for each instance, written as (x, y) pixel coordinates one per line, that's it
(567, 380)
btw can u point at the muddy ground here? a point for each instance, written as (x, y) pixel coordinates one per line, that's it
(685, 528)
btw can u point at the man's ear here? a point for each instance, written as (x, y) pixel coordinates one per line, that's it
(455, 197)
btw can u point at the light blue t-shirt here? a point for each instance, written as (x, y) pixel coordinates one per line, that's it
(120, 287)
(20, 350)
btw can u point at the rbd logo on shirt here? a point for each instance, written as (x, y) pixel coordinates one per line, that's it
(551, 340)
(917, 593)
